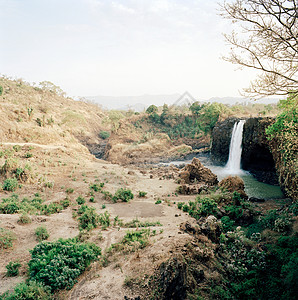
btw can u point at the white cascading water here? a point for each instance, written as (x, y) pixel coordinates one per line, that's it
(234, 163)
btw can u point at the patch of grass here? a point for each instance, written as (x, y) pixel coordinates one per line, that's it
(31, 290)
(6, 238)
(69, 190)
(41, 233)
(10, 184)
(142, 194)
(12, 268)
(123, 194)
(24, 219)
(135, 223)
(81, 200)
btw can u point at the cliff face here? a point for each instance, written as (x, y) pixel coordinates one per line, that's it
(221, 137)
(256, 154)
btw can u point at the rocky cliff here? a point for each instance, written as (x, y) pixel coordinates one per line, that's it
(256, 154)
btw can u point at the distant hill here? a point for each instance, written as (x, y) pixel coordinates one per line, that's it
(139, 103)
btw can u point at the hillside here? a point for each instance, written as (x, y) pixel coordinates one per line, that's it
(76, 227)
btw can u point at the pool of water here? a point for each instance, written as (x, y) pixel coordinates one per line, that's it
(253, 187)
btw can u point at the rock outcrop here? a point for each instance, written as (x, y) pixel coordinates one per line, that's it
(195, 172)
(234, 183)
(195, 178)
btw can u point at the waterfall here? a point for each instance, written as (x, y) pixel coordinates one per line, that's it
(233, 165)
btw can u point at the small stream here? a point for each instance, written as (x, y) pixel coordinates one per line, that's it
(253, 188)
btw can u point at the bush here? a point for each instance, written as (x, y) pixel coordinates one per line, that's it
(208, 207)
(24, 219)
(123, 194)
(41, 233)
(6, 238)
(227, 224)
(1, 90)
(58, 264)
(12, 268)
(142, 194)
(104, 135)
(31, 290)
(80, 200)
(96, 187)
(88, 219)
(10, 184)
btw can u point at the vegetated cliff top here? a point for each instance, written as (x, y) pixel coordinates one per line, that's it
(44, 115)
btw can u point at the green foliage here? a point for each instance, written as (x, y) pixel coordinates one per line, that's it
(96, 187)
(123, 194)
(227, 224)
(28, 291)
(142, 194)
(1, 90)
(235, 212)
(24, 219)
(69, 190)
(104, 135)
(152, 109)
(158, 201)
(6, 238)
(41, 233)
(104, 220)
(10, 184)
(28, 154)
(135, 223)
(88, 219)
(65, 203)
(81, 200)
(58, 264)
(208, 207)
(12, 268)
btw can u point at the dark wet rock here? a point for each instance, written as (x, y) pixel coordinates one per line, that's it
(257, 200)
(221, 137)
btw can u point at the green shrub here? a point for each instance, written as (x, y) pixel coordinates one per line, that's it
(227, 224)
(24, 219)
(65, 203)
(50, 209)
(91, 199)
(31, 290)
(6, 238)
(104, 219)
(10, 184)
(28, 155)
(1, 90)
(123, 194)
(96, 187)
(104, 135)
(142, 194)
(12, 268)
(180, 205)
(80, 200)
(69, 190)
(41, 233)
(158, 201)
(58, 264)
(89, 219)
(208, 207)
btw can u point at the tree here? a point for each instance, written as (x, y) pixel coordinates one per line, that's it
(268, 42)
(151, 109)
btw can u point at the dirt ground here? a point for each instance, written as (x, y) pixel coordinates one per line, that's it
(66, 169)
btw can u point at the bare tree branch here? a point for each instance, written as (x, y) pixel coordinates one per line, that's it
(268, 42)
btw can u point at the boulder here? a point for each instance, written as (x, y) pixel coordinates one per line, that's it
(195, 173)
(234, 184)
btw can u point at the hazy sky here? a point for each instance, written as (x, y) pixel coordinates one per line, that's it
(119, 48)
